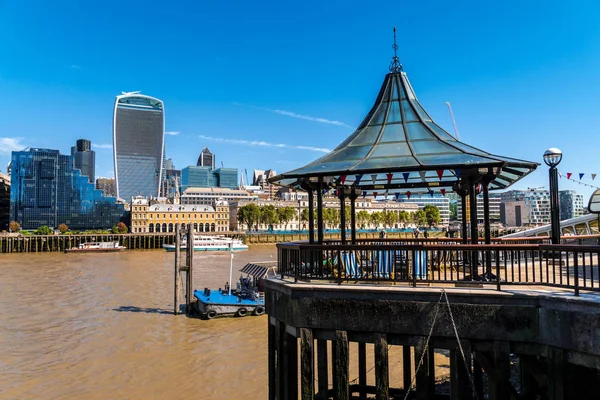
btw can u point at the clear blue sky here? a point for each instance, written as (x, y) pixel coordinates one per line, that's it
(521, 76)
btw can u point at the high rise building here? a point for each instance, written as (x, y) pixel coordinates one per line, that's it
(537, 204)
(4, 201)
(138, 139)
(206, 159)
(47, 190)
(206, 177)
(494, 208)
(571, 204)
(107, 185)
(261, 179)
(85, 159)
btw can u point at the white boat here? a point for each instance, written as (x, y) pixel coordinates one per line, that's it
(211, 243)
(96, 247)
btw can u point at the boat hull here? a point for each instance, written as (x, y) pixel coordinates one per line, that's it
(171, 247)
(107, 250)
(219, 303)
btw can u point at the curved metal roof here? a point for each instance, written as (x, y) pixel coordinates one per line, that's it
(398, 146)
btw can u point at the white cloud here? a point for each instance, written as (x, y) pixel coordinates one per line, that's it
(296, 115)
(8, 144)
(75, 66)
(263, 144)
(102, 146)
(172, 133)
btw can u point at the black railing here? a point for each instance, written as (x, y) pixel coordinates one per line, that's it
(565, 266)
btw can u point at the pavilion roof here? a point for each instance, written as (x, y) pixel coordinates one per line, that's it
(398, 147)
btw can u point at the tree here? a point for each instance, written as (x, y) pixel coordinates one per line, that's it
(121, 228)
(249, 215)
(419, 218)
(453, 210)
(44, 230)
(432, 215)
(62, 228)
(376, 218)
(14, 226)
(285, 215)
(389, 218)
(304, 216)
(403, 217)
(363, 218)
(268, 215)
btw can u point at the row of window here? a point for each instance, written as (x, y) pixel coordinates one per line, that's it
(183, 216)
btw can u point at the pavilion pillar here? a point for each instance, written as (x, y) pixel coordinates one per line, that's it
(473, 210)
(342, 197)
(486, 213)
(459, 188)
(320, 211)
(311, 213)
(353, 197)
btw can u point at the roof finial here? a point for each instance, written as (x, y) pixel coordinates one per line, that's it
(395, 66)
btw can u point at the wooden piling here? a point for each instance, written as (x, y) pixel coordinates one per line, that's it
(425, 380)
(272, 361)
(189, 264)
(362, 368)
(291, 366)
(307, 363)
(177, 266)
(341, 366)
(322, 369)
(406, 367)
(382, 383)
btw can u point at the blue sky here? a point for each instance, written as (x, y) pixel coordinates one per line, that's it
(521, 76)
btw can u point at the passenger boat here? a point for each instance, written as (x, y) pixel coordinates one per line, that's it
(208, 243)
(96, 247)
(246, 299)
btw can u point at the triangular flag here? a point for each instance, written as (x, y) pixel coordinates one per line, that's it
(374, 178)
(406, 175)
(430, 192)
(364, 194)
(419, 194)
(389, 177)
(443, 192)
(336, 192)
(569, 175)
(408, 195)
(457, 173)
(324, 191)
(440, 173)
(593, 176)
(374, 195)
(342, 179)
(581, 176)
(397, 196)
(422, 173)
(358, 178)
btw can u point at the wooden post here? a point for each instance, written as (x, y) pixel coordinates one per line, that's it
(291, 366)
(478, 379)
(498, 390)
(556, 373)
(406, 367)
(322, 369)
(425, 381)
(272, 361)
(190, 276)
(362, 368)
(177, 265)
(460, 385)
(341, 365)
(307, 362)
(382, 383)
(279, 333)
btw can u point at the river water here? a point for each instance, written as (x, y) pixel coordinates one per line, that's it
(100, 326)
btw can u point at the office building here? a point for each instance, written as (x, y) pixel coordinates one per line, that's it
(571, 204)
(206, 177)
(537, 204)
(261, 179)
(107, 185)
(48, 190)
(4, 202)
(209, 196)
(206, 159)
(514, 213)
(84, 159)
(494, 208)
(138, 135)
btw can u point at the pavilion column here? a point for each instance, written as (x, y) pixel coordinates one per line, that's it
(311, 213)
(473, 210)
(320, 211)
(342, 196)
(459, 188)
(353, 197)
(486, 212)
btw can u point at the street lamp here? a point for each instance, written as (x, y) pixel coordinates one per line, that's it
(552, 158)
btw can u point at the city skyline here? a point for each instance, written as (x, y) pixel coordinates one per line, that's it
(515, 93)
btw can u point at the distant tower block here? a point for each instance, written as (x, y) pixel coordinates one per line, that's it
(206, 159)
(84, 159)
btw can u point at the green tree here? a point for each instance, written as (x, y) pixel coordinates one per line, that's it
(43, 230)
(432, 215)
(14, 226)
(389, 218)
(62, 228)
(363, 218)
(403, 218)
(453, 210)
(249, 215)
(376, 219)
(268, 215)
(285, 215)
(420, 218)
(304, 217)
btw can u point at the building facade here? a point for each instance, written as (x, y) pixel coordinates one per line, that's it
(151, 218)
(138, 140)
(494, 207)
(514, 213)
(48, 190)
(537, 204)
(107, 185)
(209, 196)
(571, 204)
(206, 159)
(4, 202)
(261, 179)
(206, 177)
(84, 159)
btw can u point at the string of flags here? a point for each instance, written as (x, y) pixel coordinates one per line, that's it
(568, 176)
(389, 176)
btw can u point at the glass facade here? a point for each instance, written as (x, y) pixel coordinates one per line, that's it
(48, 190)
(206, 159)
(85, 159)
(138, 134)
(206, 177)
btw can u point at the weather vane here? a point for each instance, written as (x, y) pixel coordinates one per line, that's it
(395, 66)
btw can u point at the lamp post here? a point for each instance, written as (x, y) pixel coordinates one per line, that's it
(552, 158)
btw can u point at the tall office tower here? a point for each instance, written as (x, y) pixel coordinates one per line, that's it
(206, 159)
(84, 159)
(47, 190)
(138, 140)
(571, 204)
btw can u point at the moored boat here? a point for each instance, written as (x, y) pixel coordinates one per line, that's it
(211, 243)
(96, 247)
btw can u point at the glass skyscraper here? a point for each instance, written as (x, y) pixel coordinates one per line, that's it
(206, 177)
(85, 159)
(48, 190)
(138, 140)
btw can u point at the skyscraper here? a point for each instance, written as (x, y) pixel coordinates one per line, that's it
(84, 159)
(138, 140)
(206, 159)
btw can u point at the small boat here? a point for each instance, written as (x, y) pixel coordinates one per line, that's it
(208, 243)
(96, 247)
(246, 299)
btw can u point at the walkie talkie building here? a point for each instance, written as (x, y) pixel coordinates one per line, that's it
(138, 140)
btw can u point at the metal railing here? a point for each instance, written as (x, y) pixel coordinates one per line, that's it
(425, 261)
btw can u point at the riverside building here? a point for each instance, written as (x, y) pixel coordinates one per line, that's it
(209, 196)
(138, 140)
(48, 190)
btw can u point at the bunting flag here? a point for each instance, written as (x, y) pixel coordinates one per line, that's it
(479, 188)
(387, 192)
(374, 195)
(430, 192)
(408, 195)
(389, 177)
(593, 176)
(358, 178)
(581, 176)
(443, 192)
(342, 179)
(422, 174)
(419, 194)
(440, 173)
(397, 196)
(457, 173)
(374, 178)
(569, 175)
(336, 192)
(364, 194)
(579, 182)
(406, 175)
